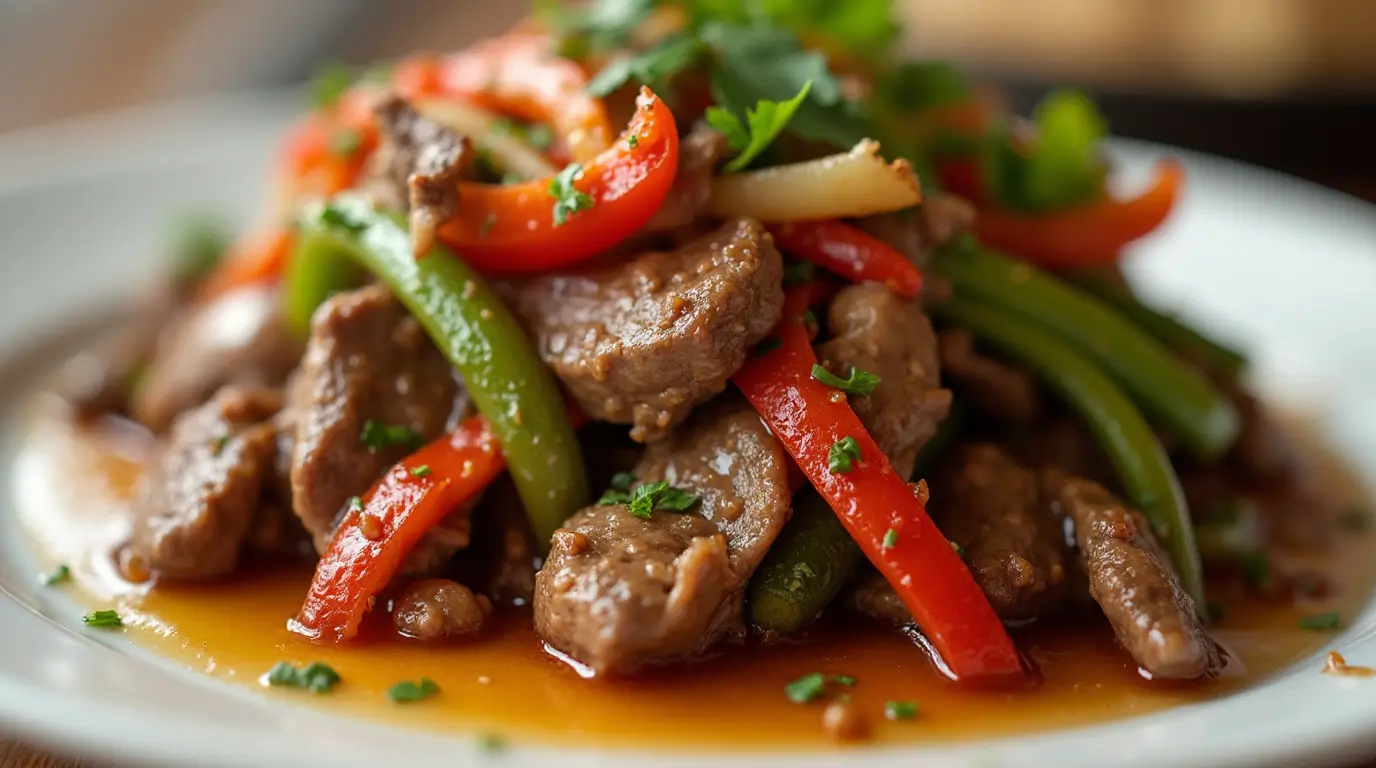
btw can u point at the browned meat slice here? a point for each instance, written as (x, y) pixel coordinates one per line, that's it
(698, 155)
(237, 338)
(871, 595)
(1064, 443)
(992, 385)
(644, 341)
(367, 361)
(417, 167)
(196, 506)
(1132, 581)
(619, 591)
(876, 331)
(439, 609)
(937, 221)
(505, 555)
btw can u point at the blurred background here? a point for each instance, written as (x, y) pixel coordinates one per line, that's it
(1289, 84)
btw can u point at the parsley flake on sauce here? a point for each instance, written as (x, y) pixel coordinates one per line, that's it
(408, 692)
(58, 575)
(1320, 622)
(900, 710)
(806, 688)
(103, 619)
(316, 677)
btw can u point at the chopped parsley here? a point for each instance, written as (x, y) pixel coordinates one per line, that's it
(622, 481)
(421, 471)
(58, 575)
(842, 455)
(316, 677)
(806, 688)
(843, 679)
(407, 692)
(345, 142)
(859, 383)
(633, 141)
(890, 538)
(761, 125)
(355, 504)
(797, 272)
(567, 199)
(959, 550)
(809, 317)
(329, 83)
(103, 619)
(900, 710)
(768, 345)
(378, 436)
(1321, 621)
(648, 497)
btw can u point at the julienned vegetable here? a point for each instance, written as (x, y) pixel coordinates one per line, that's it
(513, 228)
(871, 500)
(405, 504)
(1137, 457)
(849, 185)
(849, 252)
(1208, 353)
(509, 384)
(1177, 396)
(814, 557)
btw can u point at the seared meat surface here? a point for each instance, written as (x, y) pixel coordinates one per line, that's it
(644, 341)
(417, 168)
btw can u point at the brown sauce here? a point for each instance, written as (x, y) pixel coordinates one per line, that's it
(73, 485)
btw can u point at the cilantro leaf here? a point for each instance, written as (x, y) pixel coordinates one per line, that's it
(761, 125)
(865, 27)
(651, 496)
(567, 199)
(859, 383)
(378, 436)
(842, 455)
(1058, 167)
(653, 67)
(612, 496)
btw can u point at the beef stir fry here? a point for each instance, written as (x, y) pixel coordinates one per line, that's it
(814, 338)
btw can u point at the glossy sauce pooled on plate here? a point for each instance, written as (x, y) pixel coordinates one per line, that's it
(74, 483)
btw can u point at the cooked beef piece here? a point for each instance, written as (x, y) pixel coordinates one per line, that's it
(510, 575)
(367, 360)
(196, 506)
(988, 504)
(275, 532)
(992, 385)
(1064, 443)
(698, 155)
(939, 219)
(619, 591)
(872, 596)
(439, 609)
(417, 168)
(237, 338)
(644, 341)
(1132, 581)
(876, 331)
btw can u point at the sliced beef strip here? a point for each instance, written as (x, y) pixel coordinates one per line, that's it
(644, 341)
(698, 155)
(1063, 442)
(993, 386)
(988, 504)
(619, 591)
(196, 507)
(367, 360)
(876, 331)
(238, 338)
(417, 168)
(1132, 581)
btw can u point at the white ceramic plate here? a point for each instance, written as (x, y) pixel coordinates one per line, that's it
(1278, 264)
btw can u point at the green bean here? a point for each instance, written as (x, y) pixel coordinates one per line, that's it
(509, 384)
(814, 556)
(1139, 461)
(1210, 354)
(1170, 392)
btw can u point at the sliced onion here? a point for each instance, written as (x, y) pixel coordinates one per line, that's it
(508, 153)
(853, 184)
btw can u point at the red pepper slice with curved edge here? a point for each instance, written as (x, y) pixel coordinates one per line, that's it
(258, 257)
(1087, 235)
(519, 75)
(325, 152)
(849, 252)
(362, 559)
(872, 500)
(510, 229)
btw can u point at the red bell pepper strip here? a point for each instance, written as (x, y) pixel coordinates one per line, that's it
(878, 507)
(510, 228)
(258, 257)
(849, 252)
(1084, 236)
(402, 506)
(519, 75)
(325, 152)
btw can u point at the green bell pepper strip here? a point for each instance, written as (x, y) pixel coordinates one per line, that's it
(1137, 457)
(814, 556)
(508, 382)
(1210, 354)
(1169, 391)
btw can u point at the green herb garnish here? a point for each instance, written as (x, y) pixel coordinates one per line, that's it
(900, 710)
(103, 619)
(653, 66)
(842, 455)
(660, 495)
(421, 471)
(1321, 621)
(890, 539)
(378, 436)
(567, 199)
(859, 383)
(843, 679)
(316, 677)
(407, 692)
(761, 125)
(58, 575)
(806, 688)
